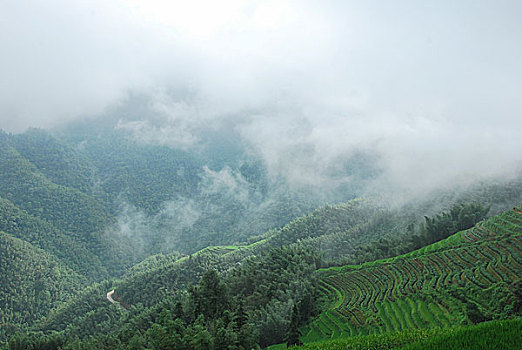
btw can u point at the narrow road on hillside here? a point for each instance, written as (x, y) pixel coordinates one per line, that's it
(109, 296)
(115, 302)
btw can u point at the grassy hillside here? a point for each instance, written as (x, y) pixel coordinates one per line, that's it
(504, 334)
(472, 276)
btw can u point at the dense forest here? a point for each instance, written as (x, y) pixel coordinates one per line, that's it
(112, 243)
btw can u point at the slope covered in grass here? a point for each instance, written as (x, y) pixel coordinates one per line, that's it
(504, 334)
(471, 276)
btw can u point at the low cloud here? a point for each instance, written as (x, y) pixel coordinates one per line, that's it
(430, 90)
(225, 182)
(160, 232)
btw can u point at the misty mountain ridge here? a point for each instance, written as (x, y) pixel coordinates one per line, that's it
(151, 221)
(248, 175)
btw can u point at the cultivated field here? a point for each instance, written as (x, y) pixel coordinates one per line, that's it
(435, 286)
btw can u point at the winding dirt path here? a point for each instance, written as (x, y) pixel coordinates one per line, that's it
(109, 296)
(115, 302)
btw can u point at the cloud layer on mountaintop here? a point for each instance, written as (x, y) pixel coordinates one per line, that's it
(432, 88)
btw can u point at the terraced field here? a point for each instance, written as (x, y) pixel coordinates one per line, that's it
(414, 290)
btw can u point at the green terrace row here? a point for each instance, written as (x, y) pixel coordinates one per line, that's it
(398, 293)
(377, 283)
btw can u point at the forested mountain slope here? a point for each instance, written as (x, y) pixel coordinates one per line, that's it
(151, 281)
(264, 282)
(33, 282)
(97, 201)
(102, 201)
(40, 233)
(472, 276)
(100, 182)
(28, 188)
(167, 278)
(186, 200)
(123, 199)
(45, 207)
(59, 162)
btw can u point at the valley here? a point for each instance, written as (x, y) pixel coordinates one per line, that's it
(258, 262)
(260, 175)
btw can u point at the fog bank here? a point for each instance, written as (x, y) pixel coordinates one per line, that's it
(430, 90)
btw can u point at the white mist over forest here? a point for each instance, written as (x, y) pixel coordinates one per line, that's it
(254, 174)
(430, 90)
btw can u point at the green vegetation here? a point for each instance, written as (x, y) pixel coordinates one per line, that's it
(62, 220)
(204, 249)
(471, 276)
(185, 200)
(270, 290)
(32, 284)
(228, 310)
(503, 334)
(68, 196)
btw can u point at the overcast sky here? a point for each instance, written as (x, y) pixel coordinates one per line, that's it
(433, 86)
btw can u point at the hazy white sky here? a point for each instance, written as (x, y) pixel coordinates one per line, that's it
(435, 86)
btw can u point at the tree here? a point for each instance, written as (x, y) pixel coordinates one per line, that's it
(292, 337)
(200, 338)
(210, 295)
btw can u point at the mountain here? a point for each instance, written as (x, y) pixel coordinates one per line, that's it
(270, 275)
(204, 247)
(40, 233)
(174, 199)
(61, 216)
(103, 201)
(149, 282)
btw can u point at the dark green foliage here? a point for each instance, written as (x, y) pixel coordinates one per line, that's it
(95, 202)
(516, 290)
(58, 162)
(209, 297)
(25, 186)
(481, 304)
(55, 208)
(37, 341)
(89, 311)
(32, 283)
(292, 336)
(474, 314)
(65, 196)
(458, 218)
(216, 312)
(190, 199)
(251, 296)
(42, 234)
(270, 284)
(94, 182)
